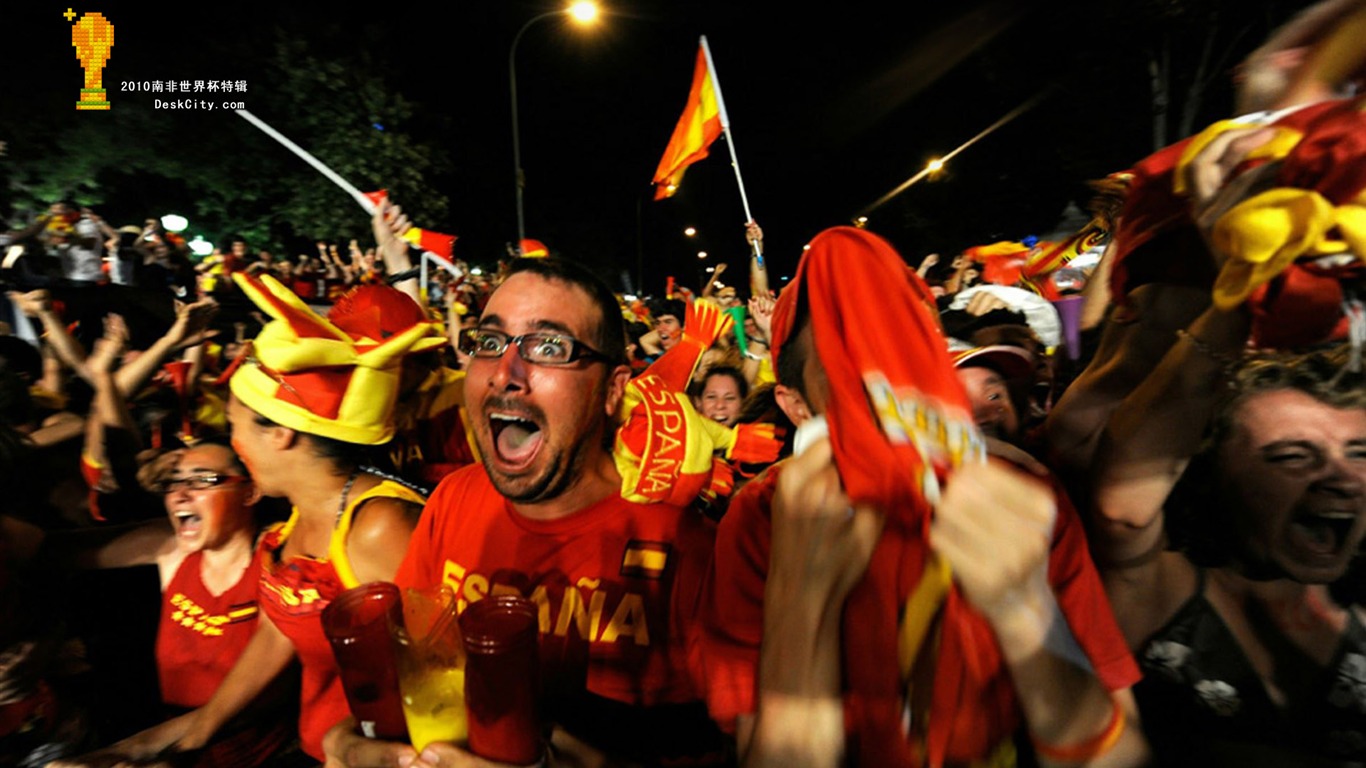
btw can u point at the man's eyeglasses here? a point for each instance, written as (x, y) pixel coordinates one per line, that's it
(538, 348)
(200, 482)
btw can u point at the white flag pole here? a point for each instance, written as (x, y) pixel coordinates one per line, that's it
(303, 154)
(349, 188)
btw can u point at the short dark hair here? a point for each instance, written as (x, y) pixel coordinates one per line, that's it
(675, 307)
(1322, 374)
(611, 331)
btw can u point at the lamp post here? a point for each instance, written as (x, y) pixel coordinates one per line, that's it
(584, 12)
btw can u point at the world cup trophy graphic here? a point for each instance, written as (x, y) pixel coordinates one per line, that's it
(92, 37)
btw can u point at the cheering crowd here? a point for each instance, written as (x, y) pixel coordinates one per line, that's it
(1095, 502)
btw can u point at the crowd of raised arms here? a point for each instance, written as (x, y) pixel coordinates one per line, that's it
(1030, 505)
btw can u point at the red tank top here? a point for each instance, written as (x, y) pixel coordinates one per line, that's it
(294, 593)
(198, 641)
(201, 636)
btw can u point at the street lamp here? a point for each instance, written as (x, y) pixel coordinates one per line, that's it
(583, 12)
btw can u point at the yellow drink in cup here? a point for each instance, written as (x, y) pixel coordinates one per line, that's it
(434, 705)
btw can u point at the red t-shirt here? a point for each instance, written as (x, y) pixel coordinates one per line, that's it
(733, 620)
(617, 585)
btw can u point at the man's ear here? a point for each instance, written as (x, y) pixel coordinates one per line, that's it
(792, 403)
(616, 388)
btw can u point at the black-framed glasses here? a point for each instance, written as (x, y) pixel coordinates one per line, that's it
(538, 348)
(200, 482)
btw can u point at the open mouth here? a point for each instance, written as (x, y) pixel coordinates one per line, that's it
(515, 439)
(1322, 534)
(187, 524)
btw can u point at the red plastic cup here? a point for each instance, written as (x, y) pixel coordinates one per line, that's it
(502, 679)
(357, 624)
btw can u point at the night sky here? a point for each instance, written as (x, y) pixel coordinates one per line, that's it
(829, 110)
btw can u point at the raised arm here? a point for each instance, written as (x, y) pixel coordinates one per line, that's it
(38, 304)
(758, 272)
(389, 224)
(994, 528)
(821, 547)
(1156, 430)
(108, 409)
(190, 320)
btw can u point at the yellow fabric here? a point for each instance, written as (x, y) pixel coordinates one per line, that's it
(921, 607)
(336, 547)
(365, 415)
(1282, 141)
(212, 411)
(664, 447)
(1266, 233)
(765, 373)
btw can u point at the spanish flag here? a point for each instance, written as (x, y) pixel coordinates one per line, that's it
(427, 240)
(645, 559)
(703, 120)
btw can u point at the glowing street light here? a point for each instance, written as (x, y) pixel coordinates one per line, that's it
(584, 13)
(935, 166)
(690, 231)
(861, 222)
(701, 254)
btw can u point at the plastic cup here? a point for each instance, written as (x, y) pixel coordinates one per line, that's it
(502, 679)
(357, 623)
(431, 668)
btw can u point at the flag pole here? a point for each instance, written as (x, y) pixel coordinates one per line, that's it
(759, 278)
(304, 155)
(348, 187)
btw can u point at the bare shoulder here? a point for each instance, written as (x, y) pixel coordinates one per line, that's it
(380, 529)
(382, 517)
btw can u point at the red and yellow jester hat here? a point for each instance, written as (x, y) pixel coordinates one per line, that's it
(307, 374)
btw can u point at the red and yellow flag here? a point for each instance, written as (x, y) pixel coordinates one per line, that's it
(700, 125)
(427, 240)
